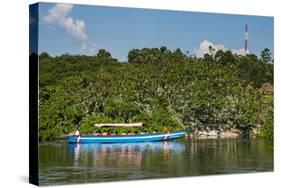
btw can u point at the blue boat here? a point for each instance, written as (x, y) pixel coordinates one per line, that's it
(126, 138)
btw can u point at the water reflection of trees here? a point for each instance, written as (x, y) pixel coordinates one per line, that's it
(213, 156)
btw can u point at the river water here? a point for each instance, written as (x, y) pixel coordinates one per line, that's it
(62, 163)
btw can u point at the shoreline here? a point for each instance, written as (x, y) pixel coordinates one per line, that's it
(232, 133)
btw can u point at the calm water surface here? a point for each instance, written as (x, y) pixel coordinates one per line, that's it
(62, 163)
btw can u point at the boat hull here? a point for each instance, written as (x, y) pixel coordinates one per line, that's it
(126, 138)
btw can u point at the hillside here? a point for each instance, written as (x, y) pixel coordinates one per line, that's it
(157, 86)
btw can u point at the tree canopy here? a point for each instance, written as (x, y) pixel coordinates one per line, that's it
(158, 86)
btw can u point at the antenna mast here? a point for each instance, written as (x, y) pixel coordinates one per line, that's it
(246, 37)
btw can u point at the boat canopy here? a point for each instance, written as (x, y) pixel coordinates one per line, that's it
(119, 125)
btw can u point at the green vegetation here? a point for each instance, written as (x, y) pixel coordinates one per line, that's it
(158, 87)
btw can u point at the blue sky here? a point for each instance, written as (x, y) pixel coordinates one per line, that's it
(82, 29)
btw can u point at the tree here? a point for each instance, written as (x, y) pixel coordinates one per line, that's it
(226, 58)
(219, 55)
(146, 55)
(103, 54)
(133, 56)
(178, 51)
(266, 56)
(163, 49)
(208, 58)
(211, 50)
(44, 55)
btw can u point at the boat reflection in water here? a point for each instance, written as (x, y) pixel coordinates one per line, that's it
(123, 154)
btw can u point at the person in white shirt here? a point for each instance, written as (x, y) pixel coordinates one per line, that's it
(77, 133)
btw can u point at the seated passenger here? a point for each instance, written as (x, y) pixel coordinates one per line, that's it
(77, 132)
(166, 130)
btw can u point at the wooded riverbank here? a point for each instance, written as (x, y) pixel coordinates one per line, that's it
(160, 87)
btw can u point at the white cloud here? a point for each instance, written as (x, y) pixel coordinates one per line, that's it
(58, 15)
(204, 49)
(240, 51)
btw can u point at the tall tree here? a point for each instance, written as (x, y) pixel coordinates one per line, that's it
(103, 53)
(266, 56)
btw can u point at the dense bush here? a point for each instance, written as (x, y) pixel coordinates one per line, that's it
(159, 87)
